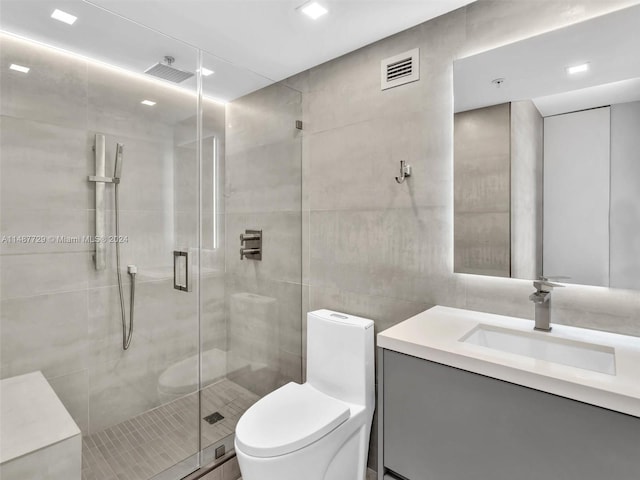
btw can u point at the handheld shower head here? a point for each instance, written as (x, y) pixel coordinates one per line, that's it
(117, 168)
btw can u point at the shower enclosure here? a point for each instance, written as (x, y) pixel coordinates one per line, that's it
(199, 166)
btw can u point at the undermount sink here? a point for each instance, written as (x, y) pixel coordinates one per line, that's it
(541, 346)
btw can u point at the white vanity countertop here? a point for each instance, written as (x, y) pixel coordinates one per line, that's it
(434, 335)
(33, 416)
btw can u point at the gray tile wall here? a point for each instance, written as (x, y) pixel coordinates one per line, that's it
(527, 138)
(385, 251)
(263, 191)
(57, 314)
(482, 191)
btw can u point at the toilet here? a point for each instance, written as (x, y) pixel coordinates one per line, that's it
(318, 430)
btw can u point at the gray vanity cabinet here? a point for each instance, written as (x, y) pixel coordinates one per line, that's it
(442, 423)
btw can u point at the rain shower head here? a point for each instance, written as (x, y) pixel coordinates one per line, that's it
(165, 71)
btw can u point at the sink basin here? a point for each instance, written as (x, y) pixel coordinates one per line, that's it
(541, 346)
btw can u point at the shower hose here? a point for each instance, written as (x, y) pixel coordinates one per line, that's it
(127, 334)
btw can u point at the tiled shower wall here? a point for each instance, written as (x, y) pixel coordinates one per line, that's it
(263, 191)
(385, 251)
(58, 314)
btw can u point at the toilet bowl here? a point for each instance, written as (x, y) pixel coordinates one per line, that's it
(181, 378)
(318, 430)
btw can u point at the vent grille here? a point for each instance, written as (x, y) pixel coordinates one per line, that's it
(169, 73)
(400, 69)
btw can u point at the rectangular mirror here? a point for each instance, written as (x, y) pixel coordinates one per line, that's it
(547, 156)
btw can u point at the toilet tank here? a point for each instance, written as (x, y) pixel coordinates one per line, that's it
(340, 356)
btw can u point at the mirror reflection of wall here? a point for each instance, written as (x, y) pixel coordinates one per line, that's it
(498, 190)
(582, 84)
(592, 195)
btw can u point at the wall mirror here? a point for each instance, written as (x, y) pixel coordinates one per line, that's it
(547, 156)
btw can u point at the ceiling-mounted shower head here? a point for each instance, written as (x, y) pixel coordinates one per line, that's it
(165, 71)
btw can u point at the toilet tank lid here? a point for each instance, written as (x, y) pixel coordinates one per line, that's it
(340, 317)
(288, 419)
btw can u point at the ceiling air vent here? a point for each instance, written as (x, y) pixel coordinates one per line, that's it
(400, 69)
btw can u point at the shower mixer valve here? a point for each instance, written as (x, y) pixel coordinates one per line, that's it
(251, 245)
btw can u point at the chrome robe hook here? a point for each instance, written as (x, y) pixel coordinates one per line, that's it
(405, 171)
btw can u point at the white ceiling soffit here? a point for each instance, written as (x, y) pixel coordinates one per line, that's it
(624, 91)
(535, 68)
(270, 37)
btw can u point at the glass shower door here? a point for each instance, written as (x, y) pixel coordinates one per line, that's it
(62, 302)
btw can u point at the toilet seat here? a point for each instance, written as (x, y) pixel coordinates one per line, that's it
(289, 419)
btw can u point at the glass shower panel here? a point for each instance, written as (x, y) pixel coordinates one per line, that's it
(215, 427)
(86, 92)
(260, 314)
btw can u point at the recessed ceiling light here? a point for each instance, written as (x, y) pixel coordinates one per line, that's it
(19, 68)
(148, 102)
(64, 16)
(313, 10)
(206, 72)
(578, 68)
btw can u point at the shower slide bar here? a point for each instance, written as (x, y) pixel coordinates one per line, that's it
(99, 257)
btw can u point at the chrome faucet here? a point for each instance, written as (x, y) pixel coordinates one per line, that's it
(542, 300)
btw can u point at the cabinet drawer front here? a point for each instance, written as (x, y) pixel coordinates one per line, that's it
(442, 423)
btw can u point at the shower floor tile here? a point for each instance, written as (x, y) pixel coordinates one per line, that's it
(144, 446)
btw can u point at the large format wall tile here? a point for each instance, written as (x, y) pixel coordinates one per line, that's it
(213, 322)
(122, 389)
(281, 245)
(165, 323)
(29, 275)
(356, 77)
(385, 311)
(482, 243)
(147, 173)
(355, 167)
(147, 242)
(54, 91)
(45, 332)
(57, 230)
(271, 335)
(482, 160)
(264, 117)
(265, 178)
(43, 166)
(185, 179)
(263, 191)
(400, 253)
(73, 391)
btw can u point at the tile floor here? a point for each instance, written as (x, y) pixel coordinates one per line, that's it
(144, 446)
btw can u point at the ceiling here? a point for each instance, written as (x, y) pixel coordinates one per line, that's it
(535, 68)
(250, 43)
